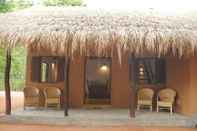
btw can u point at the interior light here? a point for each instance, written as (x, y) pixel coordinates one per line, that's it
(141, 73)
(141, 69)
(104, 68)
(53, 66)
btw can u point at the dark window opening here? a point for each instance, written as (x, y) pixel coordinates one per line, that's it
(149, 71)
(48, 69)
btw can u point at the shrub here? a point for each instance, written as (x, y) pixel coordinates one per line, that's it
(17, 74)
(62, 2)
(5, 7)
(21, 4)
(12, 5)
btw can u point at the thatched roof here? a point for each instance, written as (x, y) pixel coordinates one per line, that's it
(100, 32)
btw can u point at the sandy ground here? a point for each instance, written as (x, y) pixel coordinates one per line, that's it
(97, 117)
(17, 100)
(17, 127)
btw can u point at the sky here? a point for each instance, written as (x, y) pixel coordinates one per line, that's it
(159, 5)
(163, 5)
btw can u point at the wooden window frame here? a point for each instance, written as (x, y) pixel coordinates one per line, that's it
(133, 71)
(36, 75)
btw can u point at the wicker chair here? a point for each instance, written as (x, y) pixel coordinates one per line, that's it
(166, 99)
(145, 97)
(52, 96)
(31, 96)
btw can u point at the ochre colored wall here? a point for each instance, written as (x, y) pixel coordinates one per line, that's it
(182, 76)
(178, 78)
(119, 81)
(76, 82)
(193, 86)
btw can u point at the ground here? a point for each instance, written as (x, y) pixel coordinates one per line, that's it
(17, 100)
(18, 127)
(86, 119)
(99, 117)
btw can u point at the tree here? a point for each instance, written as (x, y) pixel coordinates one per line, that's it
(2, 1)
(62, 2)
(12, 5)
(17, 70)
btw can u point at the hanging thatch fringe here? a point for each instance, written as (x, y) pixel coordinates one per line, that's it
(103, 45)
(68, 31)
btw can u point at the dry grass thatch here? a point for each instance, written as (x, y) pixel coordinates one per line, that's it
(100, 33)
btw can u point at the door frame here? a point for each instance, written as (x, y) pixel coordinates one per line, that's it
(110, 76)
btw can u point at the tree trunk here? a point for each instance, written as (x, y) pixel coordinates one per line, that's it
(7, 82)
(66, 88)
(132, 90)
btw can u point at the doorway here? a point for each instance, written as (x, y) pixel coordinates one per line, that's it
(98, 81)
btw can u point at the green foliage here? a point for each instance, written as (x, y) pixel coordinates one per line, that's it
(62, 2)
(2, 63)
(13, 5)
(21, 4)
(18, 54)
(18, 63)
(2, 67)
(17, 68)
(5, 7)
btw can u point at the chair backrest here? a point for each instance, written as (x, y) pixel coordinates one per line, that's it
(52, 92)
(31, 92)
(167, 95)
(145, 94)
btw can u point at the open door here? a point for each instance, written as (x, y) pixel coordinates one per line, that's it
(98, 81)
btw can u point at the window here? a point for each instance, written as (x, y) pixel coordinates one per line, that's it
(149, 71)
(48, 69)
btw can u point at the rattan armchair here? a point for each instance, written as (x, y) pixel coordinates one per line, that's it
(166, 99)
(31, 97)
(52, 96)
(145, 98)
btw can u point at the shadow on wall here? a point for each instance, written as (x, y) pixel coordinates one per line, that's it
(16, 99)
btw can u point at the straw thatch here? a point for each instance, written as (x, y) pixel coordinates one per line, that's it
(100, 33)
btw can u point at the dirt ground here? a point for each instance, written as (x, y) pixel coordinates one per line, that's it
(19, 127)
(16, 99)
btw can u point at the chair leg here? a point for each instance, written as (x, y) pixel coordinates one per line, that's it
(171, 110)
(58, 106)
(151, 108)
(138, 107)
(45, 105)
(24, 104)
(157, 108)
